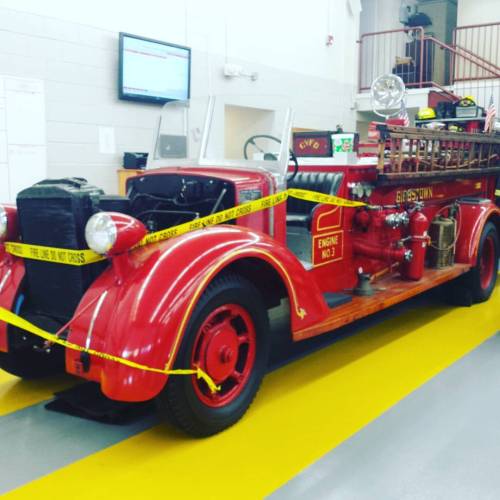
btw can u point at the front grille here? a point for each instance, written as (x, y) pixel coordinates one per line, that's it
(54, 213)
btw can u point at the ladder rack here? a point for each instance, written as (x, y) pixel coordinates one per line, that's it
(416, 153)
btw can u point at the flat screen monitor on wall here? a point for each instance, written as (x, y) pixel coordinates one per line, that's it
(153, 71)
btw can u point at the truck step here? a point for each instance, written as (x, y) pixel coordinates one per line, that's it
(336, 299)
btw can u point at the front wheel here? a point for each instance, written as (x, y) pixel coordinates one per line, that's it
(482, 278)
(228, 338)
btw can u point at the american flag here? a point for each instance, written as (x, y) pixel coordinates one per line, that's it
(491, 113)
(403, 114)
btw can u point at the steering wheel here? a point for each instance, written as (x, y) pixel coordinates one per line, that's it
(270, 156)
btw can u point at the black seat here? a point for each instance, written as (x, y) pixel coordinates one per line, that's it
(299, 212)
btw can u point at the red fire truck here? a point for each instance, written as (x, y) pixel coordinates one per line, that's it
(199, 300)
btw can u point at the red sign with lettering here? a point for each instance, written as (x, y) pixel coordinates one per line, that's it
(328, 247)
(312, 144)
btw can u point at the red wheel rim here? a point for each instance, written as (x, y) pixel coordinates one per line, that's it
(487, 263)
(225, 349)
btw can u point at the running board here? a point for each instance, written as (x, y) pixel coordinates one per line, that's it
(391, 291)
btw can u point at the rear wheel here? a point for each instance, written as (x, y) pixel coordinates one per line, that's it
(482, 278)
(228, 338)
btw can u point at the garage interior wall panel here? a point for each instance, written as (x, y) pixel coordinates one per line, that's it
(4, 168)
(23, 150)
(75, 53)
(473, 12)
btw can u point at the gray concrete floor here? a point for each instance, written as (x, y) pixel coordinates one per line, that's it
(49, 441)
(441, 442)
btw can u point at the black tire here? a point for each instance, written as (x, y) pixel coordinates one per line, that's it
(480, 290)
(23, 360)
(179, 402)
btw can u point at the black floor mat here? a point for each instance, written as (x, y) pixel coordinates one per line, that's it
(87, 401)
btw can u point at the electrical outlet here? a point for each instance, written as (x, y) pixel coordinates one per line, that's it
(231, 70)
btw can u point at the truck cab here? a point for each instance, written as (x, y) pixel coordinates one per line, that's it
(180, 273)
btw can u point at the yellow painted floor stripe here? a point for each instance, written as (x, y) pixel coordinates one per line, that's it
(303, 410)
(16, 394)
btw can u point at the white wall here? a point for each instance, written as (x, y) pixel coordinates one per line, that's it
(72, 46)
(23, 149)
(380, 15)
(477, 12)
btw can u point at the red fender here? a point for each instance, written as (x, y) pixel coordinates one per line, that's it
(472, 218)
(11, 276)
(149, 296)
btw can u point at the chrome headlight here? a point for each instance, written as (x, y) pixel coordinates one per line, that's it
(3, 222)
(100, 233)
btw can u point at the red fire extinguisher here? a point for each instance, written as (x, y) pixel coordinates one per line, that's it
(413, 269)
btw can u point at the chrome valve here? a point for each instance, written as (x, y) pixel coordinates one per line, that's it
(399, 219)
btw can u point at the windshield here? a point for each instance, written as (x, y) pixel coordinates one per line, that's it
(231, 132)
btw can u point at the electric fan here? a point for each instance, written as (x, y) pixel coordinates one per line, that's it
(387, 92)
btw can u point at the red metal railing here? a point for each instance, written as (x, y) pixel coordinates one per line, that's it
(481, 41)
(380, 52)
(480, 79)
(463, 68)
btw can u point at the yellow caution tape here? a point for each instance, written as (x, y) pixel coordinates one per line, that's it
(15, 320)
(217, 218)
(52, 254)
(84, 257)
(328, 199)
